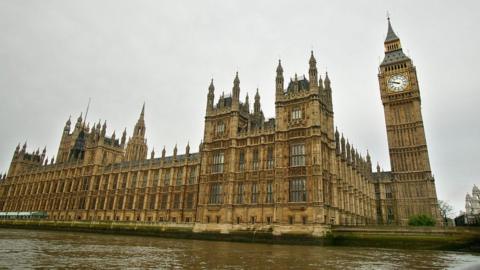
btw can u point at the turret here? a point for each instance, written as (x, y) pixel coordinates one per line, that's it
(163, 152)
(152, 154)
(247, 104)
(279, 81)
(124, 137)
(210, 96)
(175, 152)
(66, 129)
(78, 125)
(328, 92)
(236, 92)
(187, 149)
(256, 104)
(312, 72)
(349, 157)
(342, 143)
(337, 142)
(104, 128)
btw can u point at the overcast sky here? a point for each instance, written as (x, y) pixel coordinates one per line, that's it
(54, 55)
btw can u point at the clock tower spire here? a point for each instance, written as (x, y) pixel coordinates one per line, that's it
(413, 184)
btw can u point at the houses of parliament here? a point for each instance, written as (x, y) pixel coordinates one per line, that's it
(294, 169)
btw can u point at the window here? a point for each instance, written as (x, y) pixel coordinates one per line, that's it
(270, 158)
(220, 128)
(215, 194)
(254, 193)
(217, 163)
(176, 201)
(156, 178)
(296, 113)
(388, 192)
(297, 155)
(166, 181)
(239, 193)
(115, 182)
(193, 175)
(189, 202)
(298, 191)
(178, 182)
(152, 201)
(389, 215)
(105, 183)
(124, 181)
(133, 184)
(269, 198)
(256, 162)
(269, 220)
(241, 161)
(145, 179)
(164, 201)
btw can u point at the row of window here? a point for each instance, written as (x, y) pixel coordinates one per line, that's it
(83, 184)
(297, 158)
(297, 192)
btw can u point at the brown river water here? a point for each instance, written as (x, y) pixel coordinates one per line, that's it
(25, 249)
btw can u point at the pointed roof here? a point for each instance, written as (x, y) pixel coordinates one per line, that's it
(142, 114)
(391, 36)
(279, 67)
(211, 87)
(312, 61)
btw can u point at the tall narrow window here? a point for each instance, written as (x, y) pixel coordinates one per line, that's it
(256, 160)
(254, 193)
(179, 181)
(298, 190)
(297, 155)
(215, 194)
(166, 181)
(270, 157)
(193, 175)
(218, 163)
(269, 197)
(239, 193)
(145, 179)
(241, 161)
(164, 201)
(134, 181)
(176, 201)
(189, 202)
(220, 128)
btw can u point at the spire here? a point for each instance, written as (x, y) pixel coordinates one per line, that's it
(378, 167)
(342, 144)
(312, 72)
(142, 114)
(152, 154)
(327, 81)
(236, 88)
(256, 105)
(104, 128)
(187, 149)
(163, 152)
(247, 103)
(391, 36)
(279, 80)
(124, 137)
(210, 96)
(337, 141)
(175, 152)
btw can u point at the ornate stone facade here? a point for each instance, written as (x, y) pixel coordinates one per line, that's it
(295, 168)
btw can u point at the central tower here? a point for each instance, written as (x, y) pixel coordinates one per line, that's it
(413, 185)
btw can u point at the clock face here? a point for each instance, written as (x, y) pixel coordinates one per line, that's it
(397, 83)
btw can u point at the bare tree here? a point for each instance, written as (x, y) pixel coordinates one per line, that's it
(446, 210)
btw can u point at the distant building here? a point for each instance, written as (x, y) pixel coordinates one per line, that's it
(472, 207)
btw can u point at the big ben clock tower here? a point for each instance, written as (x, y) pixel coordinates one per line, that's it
(413, 185)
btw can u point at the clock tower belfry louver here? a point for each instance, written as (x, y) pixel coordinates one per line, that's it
(413, 184)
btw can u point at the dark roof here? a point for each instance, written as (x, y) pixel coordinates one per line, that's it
(391, 36)
(394, 57)
(382, 176)
(303, 84)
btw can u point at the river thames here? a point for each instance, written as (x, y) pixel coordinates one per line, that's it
(20, 249)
